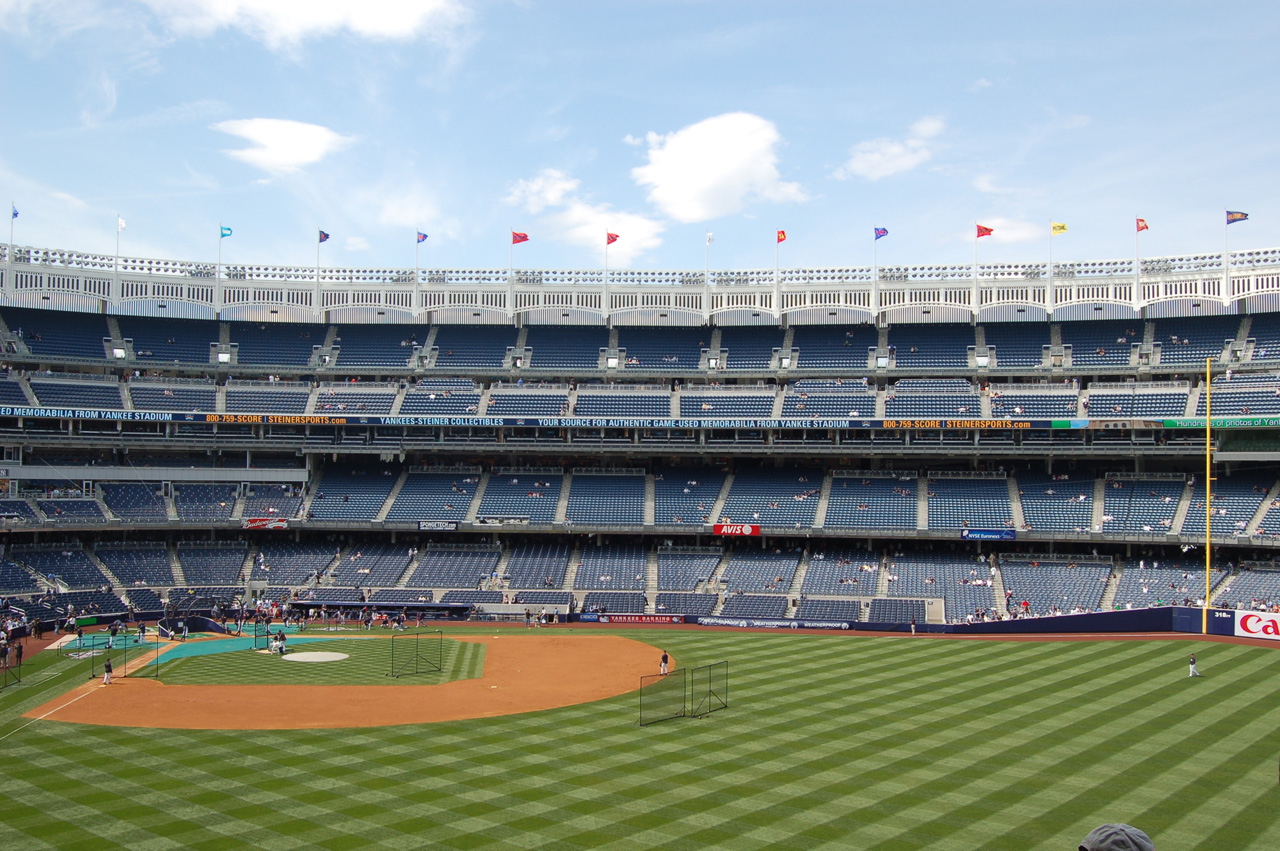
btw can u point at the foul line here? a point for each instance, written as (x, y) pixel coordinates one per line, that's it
(46, 715)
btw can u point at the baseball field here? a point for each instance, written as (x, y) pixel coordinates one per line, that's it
(829, 741)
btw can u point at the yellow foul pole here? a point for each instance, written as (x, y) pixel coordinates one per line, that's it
(1208, 488)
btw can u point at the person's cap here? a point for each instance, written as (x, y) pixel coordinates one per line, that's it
(1117, 837)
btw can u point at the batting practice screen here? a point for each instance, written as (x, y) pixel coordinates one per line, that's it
(708, 688)
(662, 697)
(416, 653)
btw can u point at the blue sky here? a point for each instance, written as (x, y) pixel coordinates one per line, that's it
(656, 120)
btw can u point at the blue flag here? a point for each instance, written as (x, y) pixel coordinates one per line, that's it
(324, 236)
(422, 237)
(881, 232)
(1233, 217)
(15, 212)
(226, 232)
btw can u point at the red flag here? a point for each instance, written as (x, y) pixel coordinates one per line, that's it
(517, 237)
(1142, 225)
(610, 238)
(984, 231)
(782, 236)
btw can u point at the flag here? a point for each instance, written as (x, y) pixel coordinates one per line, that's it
(1142, 225)
(324, 236)
(1233, 217)
(119, 224)
(610, 238)
(881, 232)
(15, 212)
(226, 232)
(422, 237)
(1057, 228)
(782, 236)
(984, 231)
(517, 237)
(711, 237)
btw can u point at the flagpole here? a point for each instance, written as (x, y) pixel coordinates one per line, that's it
(1050, 254)
(217, 271)
(1137, 261)
(1226, 259)
(975, 253)
(13, 208)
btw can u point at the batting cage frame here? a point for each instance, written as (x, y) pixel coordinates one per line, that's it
(663, 696)
(420, 653)
(123, 650)
(709, 689)
(12, 675)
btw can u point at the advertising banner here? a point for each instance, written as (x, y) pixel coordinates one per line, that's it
(437, 525)
(1258, 625)
(264, 523)
(611, 618)
(738, 529)
(988, 534)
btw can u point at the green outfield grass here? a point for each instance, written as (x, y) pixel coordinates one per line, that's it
(828, 742)
(368, 663)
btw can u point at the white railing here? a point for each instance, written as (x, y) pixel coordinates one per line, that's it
(74, 280)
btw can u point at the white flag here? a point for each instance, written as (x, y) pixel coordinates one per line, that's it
(710, 237)
(119, 224)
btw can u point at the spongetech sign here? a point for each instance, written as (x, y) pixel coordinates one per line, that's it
(1258, 625)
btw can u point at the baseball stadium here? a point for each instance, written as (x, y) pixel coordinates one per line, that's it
(927, 549)
(509, 424)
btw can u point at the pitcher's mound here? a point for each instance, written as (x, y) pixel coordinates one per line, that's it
(315, 656)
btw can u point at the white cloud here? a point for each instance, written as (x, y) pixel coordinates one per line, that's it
(571, 219)
(356, 243)
(979, 84)
(879, 158)
(986, 183)
(68, 199)
(635, 141)
(1011, 230)
(287, 23)
(714, 167)
(281, 146)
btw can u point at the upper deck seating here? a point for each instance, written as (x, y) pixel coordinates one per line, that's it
(332, 400)
(276, 343)
(1141, 401)
(378, 345)
(272, 501)
(17, 511)
(663, 348)
(441, 397)
(1054, 401)
(473, 346)
(1242, 395)
(570, 347)
(830, 400)
(1192, 340)
(291, 564)
(932, 398)
(834, 346)
(15, 579)
(59, 333)
(935, 346)
(1264, 330)
(11, 393)
(606, 500)
(527, 403)
(1017, 344)
(71, 511)
(750, 347)
(169, 340)
(1105, 342)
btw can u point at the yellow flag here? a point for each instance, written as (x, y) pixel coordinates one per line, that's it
(1058, 227)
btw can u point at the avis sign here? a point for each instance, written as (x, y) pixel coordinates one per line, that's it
(736, 529)
(1258, 625)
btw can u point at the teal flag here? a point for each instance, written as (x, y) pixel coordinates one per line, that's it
(226, 232)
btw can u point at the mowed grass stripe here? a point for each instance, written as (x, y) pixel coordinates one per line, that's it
(810, 734)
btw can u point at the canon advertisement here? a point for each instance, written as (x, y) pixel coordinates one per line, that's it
(1258, 625)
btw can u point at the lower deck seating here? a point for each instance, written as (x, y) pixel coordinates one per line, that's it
(685, 604)
(754, 606)
(612, 601)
